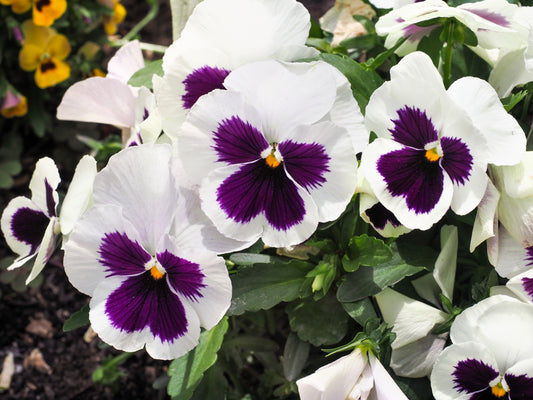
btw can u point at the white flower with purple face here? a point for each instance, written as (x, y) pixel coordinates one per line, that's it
(269, 157)
(152, 281)
(220, 36)
(31, 227)
(432, 149)
(491, 356)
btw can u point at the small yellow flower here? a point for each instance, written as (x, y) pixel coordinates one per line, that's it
(17, 6)
(112, 21)
(14, 105)
(44, 51)
(45, 12)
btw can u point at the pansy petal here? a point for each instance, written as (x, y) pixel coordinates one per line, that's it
(285, 99)
(23, 225)
(522, 286)
(51, 73)
(461, 370)
(58, 47)
(106, 101)
(126, 61)
(513, 257)
(43, 185)
(79, 194)
(46, 250)
(30, 57)
(155, 202)
(519, 378)
(486, 217)
(384, 386)
(416, 359)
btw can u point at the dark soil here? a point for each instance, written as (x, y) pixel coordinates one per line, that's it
(32, 320)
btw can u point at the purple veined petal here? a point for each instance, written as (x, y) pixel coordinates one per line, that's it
(413, 128)
(527, 285)
(202, 81)
(473, 376)
(457, 160)
(50, 201)
(379, 216)
(408, 173)
(415, 33)
(529, 257)
(142, 301)
(28, 225)
(257, 188)
(184, 276)
(520, 386)
(491, 16)
(237, 141)
(122, 256)
(306, 163)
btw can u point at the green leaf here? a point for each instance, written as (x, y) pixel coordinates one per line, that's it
(78, 319)
(368, 24)
(295, 355)
(512, 100)
(361, 42)
(213, 386)
(361, 311)
(250, 258)
(143, 77)
(363, 81)
(262, 286)
(187, 371)
(431, 45)
(367, 281)
(365, 250)
(322, 322)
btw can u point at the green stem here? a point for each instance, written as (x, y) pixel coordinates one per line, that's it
(152, 13)
(447, 68)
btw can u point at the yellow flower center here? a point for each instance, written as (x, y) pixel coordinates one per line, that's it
(272, 161)
(498, 390)
(156, 273)
(432, 154)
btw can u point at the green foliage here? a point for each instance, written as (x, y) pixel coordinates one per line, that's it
(109, 373)
(143, 77)
(187, 371)
(365, 250)
(78, 319)
(17, 278)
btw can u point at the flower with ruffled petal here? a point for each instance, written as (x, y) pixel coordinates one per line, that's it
(14, 105)
(434, 145)
(43, 52)
(31, 227)
(357, 376)
(45, 12)
(17, 6)
(272, 153)
(111, 100)
(143, 259)
(220, 36)
(489, 357)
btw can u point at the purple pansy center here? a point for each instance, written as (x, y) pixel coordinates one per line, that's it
(529, 257)
(479, 379)
(148, 297)
(50, 202)
(28, 226)
(268, 176)
(202, 81)
(527, 284)
(416, 172)
(379, 216)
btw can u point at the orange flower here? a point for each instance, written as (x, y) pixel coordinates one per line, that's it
(44, 51)
(45, 12)
(18, 6)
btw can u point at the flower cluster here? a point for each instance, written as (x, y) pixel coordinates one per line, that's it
(256, 169)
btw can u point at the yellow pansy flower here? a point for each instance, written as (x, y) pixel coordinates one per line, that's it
(45, 12)
(14, 105)
(44, 51)
(18, 6)
(111, 21)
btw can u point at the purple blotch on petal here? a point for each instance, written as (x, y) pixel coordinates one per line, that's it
(237, 141)
(456, 159)
(306, 163)
(520, 387)
(28, 226)
(50, 202)
(202, 81)
(121, 255)
(415, 33)
(257, 188)
(142, 301)
(413, 128)
(529, 257)
(184, 276)
(527, 284)
(472, 376)
(379, 216)
(408, 173)
(492, 16)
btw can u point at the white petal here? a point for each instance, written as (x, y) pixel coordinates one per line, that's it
(513, 258)
(427, 288)
(444, 272)
(466, 197)
(46, 250)
(170, 106)
(442, 378)
(79, 194)
(102, 100)
(486, 221)
(143, 188)
(412, 319)
(516, 285)
(511, 70)
(416, 359)
(15, 244)
(505, 138)
(335, 380)
(45, 171)
(384, 385)
(516, 180)
(126, 61)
